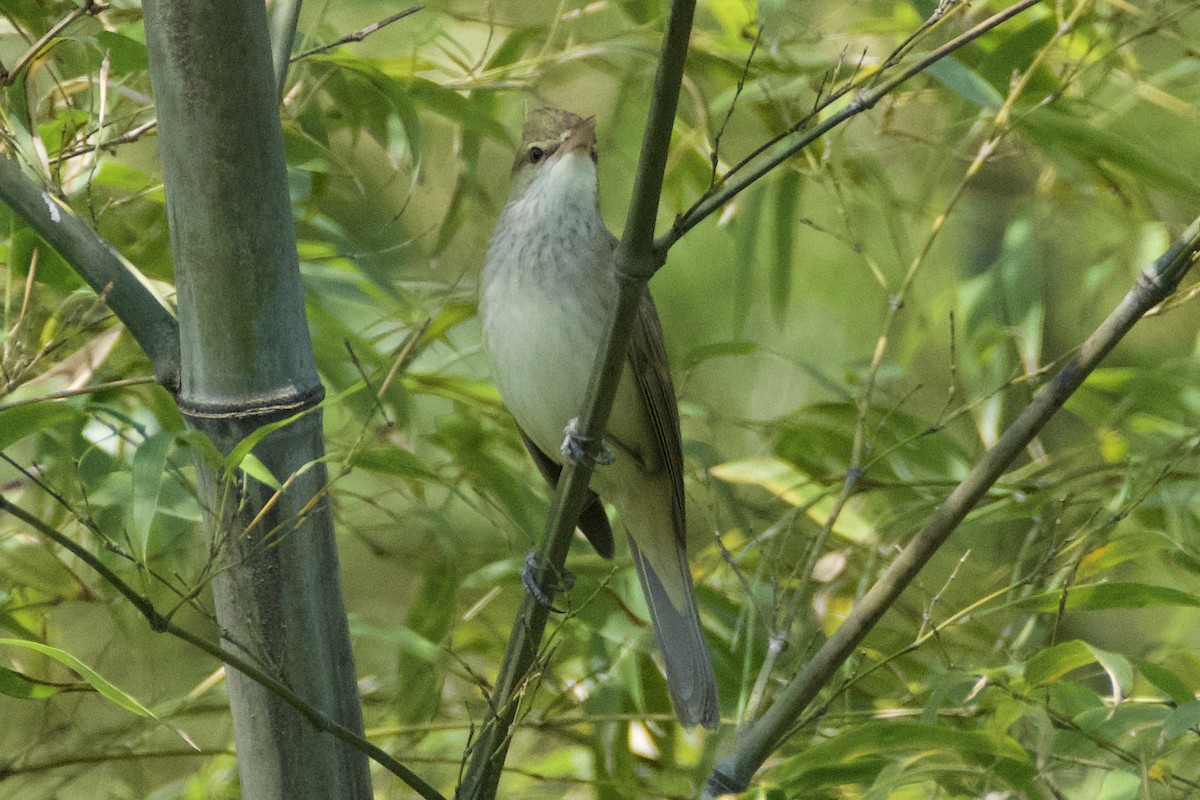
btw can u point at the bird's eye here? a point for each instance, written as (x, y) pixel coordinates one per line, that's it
(536, 154)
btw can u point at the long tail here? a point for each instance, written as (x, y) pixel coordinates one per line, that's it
(677, 630)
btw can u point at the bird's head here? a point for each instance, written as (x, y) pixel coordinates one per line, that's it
(557, 154)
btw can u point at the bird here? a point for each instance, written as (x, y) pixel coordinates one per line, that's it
(547, 289)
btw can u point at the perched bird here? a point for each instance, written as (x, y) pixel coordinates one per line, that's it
(547, 290)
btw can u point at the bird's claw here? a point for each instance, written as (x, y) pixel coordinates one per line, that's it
(574, 447)
(544, 595)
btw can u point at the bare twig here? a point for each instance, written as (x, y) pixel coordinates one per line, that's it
(358, 35)
(90, 389)
(741, 84)
(131, 135)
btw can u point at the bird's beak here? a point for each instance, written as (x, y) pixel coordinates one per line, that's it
(582, 138)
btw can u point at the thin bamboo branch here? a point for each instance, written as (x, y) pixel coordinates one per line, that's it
(762, 737)
(125, 290)
(358, 35)
(635, 262)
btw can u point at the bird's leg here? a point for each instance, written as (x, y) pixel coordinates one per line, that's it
(574, 447)
(544, 595)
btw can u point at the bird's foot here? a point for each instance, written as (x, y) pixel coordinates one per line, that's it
(544, 595)
(574, 447)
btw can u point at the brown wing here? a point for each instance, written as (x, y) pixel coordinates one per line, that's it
(648, 362)
(593, 521)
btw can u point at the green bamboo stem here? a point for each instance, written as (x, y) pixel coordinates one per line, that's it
(246, 361)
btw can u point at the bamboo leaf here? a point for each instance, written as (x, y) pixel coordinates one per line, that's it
(1165, 680)
(252, 466)
(147, 472)
(747, 226)
(20, 421)
(1092, 597)
(93, 678)
(1182, 719)
(875, 739)
(966, 83)
(1057, 131)
(1047, 666)
(787, 189)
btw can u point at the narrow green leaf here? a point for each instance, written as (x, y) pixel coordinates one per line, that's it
(787, 189)
(125, 55)
(395, 461)
(1057, 131)
(447, 317)
(1166, 681)
(93, 678)
(124, 177)
(874, 739)
(514, 46)
(1182, 719)
(202, 445)
(242, 449)
(147, 472)
(470, 391)
(698, 355)
(1047, 666)
(1118, 670)
(252, 466)
(18, 422)
(409, 641)
(431, 617)
(455, 107)
(792, 486)
(966, 83)
(746, 226)
(1096, 596)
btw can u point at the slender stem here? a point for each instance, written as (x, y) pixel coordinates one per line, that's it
(131, 135)
(89, 389)
(162, 624)
(636, 261)
(733, 773)
(358, 35)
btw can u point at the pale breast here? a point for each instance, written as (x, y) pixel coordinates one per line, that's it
(541, 351)
(543, 308)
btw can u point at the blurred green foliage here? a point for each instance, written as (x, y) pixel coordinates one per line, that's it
(880, 307)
